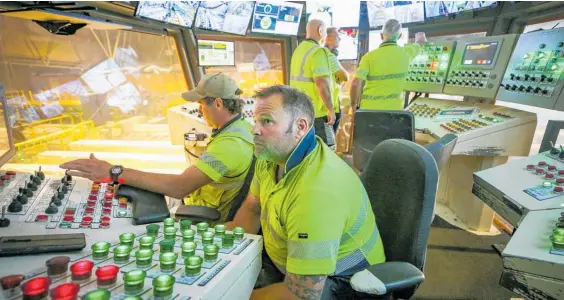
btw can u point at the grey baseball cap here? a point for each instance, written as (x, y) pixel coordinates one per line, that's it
(216, 85)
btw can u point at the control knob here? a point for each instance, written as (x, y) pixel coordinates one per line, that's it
(4, 222)
(15, 206)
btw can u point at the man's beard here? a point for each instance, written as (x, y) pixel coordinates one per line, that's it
(279, 152)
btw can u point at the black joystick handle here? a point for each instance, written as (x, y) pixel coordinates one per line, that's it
(4, 222)
(554, 150)
(561, 155)
(15, 206)
(40, 174)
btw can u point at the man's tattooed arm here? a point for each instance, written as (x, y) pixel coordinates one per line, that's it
(305, 287)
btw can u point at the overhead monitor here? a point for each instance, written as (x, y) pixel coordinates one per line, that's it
(479, 54)
(441, 8)
(375, 38)
(225, 16)
(104, 76)
(403, 11)
(348, 47)
(334, 13)
(7, 148)
(173, 12)
(277, 17)
(216, 53)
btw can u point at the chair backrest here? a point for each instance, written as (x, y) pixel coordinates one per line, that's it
(371, 127)
(240, 197)
(441, 149)
(401, 180)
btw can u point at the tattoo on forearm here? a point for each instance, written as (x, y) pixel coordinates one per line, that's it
(305, 286)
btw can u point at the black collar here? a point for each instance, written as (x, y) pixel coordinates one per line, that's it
(219, 130)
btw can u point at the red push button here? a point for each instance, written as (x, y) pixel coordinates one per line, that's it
(5, 177)
(551, 168)
(108, 204)
(36, 287)
(540, 171)
(11, 281)
(542, 163)
(107, 211)
(85, 224)
(69, 212)
(87, 219)
(107, 275)
(123, 205)
(105, 219)
(81, 270)
(560, 181)
(105, 225)
(93, 197)
(68, 218)
(41, 218)
(561, 173)
(549, 176)
(108, 196)
(65, 291)
(91, 203)
(11, 173)
(89, 210)
(558, 189)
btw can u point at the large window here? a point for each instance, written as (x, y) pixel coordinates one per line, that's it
(94, 85)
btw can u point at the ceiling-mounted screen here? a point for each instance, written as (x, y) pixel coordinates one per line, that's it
(334, 13)
(277, 17)
(375, 39)
(348, 47)
(225, 16)
(173, 12)
(403, 11)
(216, 53)
(441, 8)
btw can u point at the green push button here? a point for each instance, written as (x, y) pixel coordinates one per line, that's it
(163, 286)
(219, 230)
(170, 233)
(188, 249)
(133, 281)
(168, 222)
(557, 241)
(558, 231)
(202, 227)
(167, 245)
(207, 238)
(127, 239)
(122, 213)
(143, 258)
(132, 297)
(238, 232)
(185, 224)
(193, 265)
(547, 184)
(210, 252)
(100, 250)
(188, 235)
(98, 294)
(152, 230)
(168, 261)
(122, 254)
(227, 241)
(146, 242)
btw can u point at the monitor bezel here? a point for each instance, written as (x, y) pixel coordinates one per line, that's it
(226, 41)
(136, 15)
(221, 31)
(491, 66)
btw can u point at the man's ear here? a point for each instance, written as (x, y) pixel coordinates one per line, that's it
(302, 126)
(218, 103)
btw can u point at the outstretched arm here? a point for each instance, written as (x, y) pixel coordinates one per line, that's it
(295, 286)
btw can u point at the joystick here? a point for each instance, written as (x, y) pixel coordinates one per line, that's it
(15, 206)
(40, 174)
(56, 201)
(52, 209)
(36, 179)
(63, 188)
(26, 191)
(561, 155)
(554, 150)
(31, 184)
(4, 222)
(21, 197)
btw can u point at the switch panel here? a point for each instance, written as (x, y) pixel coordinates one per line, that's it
(429, 69)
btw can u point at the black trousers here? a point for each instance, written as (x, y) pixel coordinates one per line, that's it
(336, 287)
(337, 121)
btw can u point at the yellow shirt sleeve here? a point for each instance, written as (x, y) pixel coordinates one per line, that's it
(224, 157)
(363, 68)
(320, 64)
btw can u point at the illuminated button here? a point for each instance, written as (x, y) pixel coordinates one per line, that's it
(185, 224)
(210, 252)
(69, 211)
(105, 219)
(36, 288)
(108, 196)
(106, 211)
(11, 173)
(127, 239)
(551, 168)
(202, 227)
(547, 184)
(107, 275)
(105, 225)
(207, 238)
(100, 250)
(122, 254)
(188, 249)
(68, 218)
(193, 265)
(41, 218)
(166, 245)
(122, 213)
(560, 181)
(238, 233)
(89, 210)
(81, 270)
(168, 222)
(85, 224)
(87, 219)
(170, 233)
(65, 291)
(122, 200)
(163, 286)
(558, 189)
(188, 235)
(549, 176)
(123, 205)
(167, 261)
(228, 240)
(152, 230)
(95, 185)
(144, 257)
(133, 281)
(91, 203)
(57, 265)
(219, 230)
(93, 197)
(146, 242)
(108, 204)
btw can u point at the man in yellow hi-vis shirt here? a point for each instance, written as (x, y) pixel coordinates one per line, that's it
(310, 73)
(216, 178)
(380, 77)
(340, 75)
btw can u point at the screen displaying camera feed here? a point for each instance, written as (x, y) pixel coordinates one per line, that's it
(174, 12)
(348, 46)
(334, 13)
(277, 17)
(442, 8)
(225, 16)
(216, 53)
(104, 77)
(375, 38)
(479, 54)
(403, 11)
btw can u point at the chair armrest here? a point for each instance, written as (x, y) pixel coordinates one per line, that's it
(386, 277)
(197, 213)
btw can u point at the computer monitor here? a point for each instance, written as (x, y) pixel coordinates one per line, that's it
(216, 53)
(479, 54)
(403, 11)
(180, 13)
(281, 18)
(441, 8)
(348, 47)
(230, 17)
(7, 148)
(374, 38)
(334, 13)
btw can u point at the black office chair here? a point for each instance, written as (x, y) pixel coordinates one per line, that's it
(441, 149)
(207, 214)
(401, 181)
(371, 127)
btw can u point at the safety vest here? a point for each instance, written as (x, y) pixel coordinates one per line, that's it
(304, 68)
(384, 71)
(216, 162)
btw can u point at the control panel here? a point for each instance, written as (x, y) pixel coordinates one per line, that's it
(183, 118)
(534, 183)
(478, 65)
(481, 128)
(169, 260)
(429, 69)
(534, 74)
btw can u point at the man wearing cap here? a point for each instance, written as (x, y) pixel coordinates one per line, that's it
(381, 74)
(218, 175)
